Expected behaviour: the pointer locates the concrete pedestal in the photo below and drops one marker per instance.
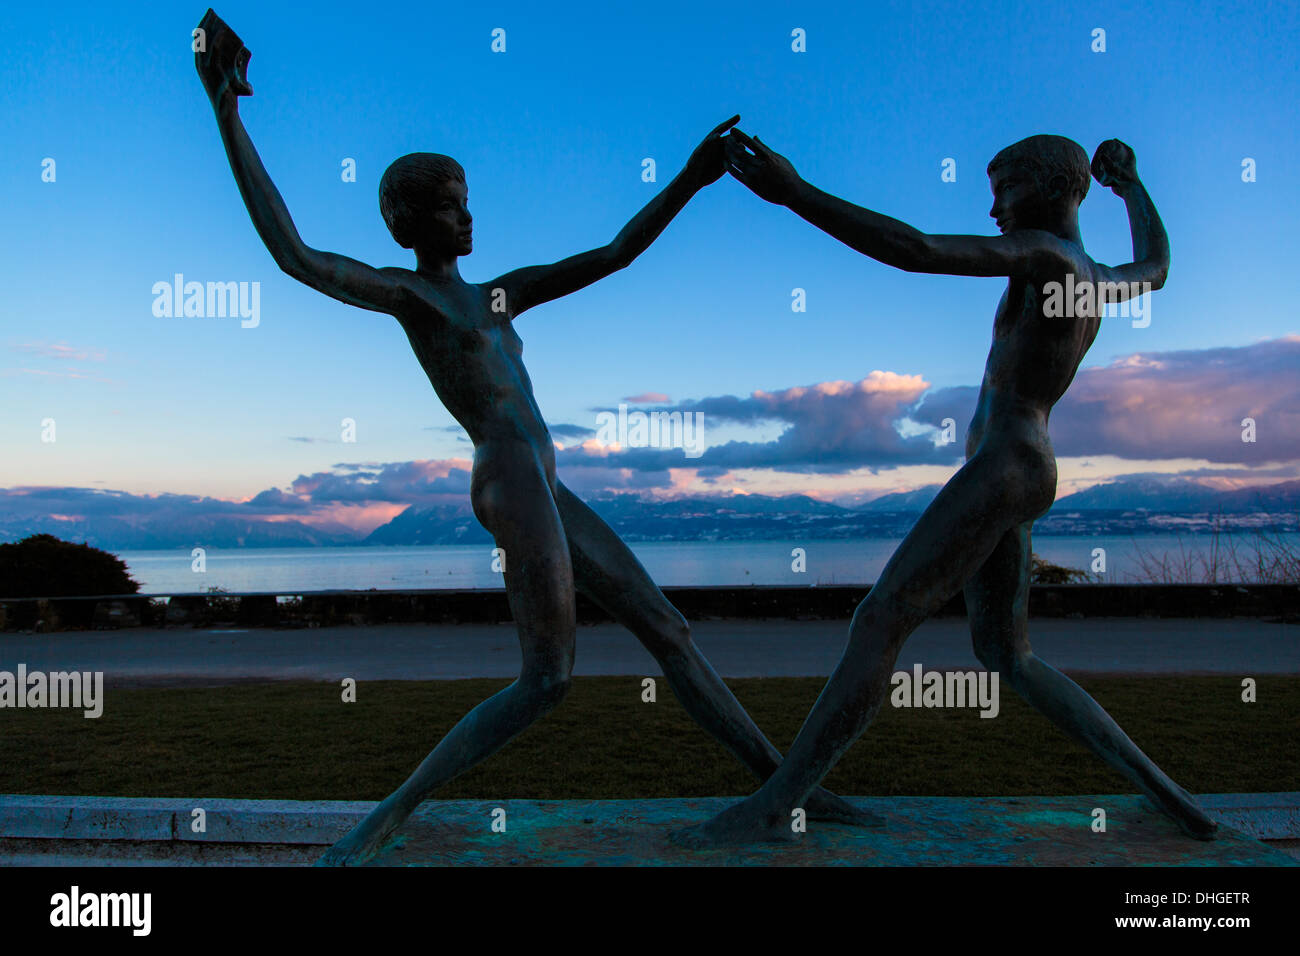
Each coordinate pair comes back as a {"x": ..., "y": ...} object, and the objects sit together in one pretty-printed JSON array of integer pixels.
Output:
[{"x": 921, "y": 831}]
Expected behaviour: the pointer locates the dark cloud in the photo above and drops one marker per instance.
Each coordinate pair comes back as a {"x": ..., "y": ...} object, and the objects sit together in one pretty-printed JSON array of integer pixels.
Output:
[
  {"x": 408, "y": 482},
  {"x": 830, "y": 427},
  {"x": 585, "y": 481},
  {"x": 570, "y": 431},
  {"x": 1187, "y": 404},
  {"x": 1146, "y": 406}
]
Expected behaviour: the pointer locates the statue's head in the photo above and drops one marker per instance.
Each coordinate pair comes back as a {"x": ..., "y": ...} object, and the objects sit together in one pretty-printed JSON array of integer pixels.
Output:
[
  {"x": 1038, "y": 183},
  {"x": 424, "y": 200}
]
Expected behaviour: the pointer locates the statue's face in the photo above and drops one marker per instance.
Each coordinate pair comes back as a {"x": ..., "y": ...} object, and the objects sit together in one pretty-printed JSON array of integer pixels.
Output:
[
  {"x": 1018, "y": 203},
  {"x": 449, "y": 227}
]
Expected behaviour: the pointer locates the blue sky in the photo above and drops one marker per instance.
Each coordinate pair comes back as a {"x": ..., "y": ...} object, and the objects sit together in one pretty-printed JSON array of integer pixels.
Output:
[{"x": 552, "y": 133}]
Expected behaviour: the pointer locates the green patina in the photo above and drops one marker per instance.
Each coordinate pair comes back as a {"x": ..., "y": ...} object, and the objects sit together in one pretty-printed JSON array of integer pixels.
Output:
[{"x": 920, "y": 831}]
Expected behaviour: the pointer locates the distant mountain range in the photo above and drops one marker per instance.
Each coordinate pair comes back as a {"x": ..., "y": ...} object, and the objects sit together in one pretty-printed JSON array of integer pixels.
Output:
[
  {"x": 178, "y": 531},
  {"x": 904, "y": 501},
  {"x": 1150, "y": 505},
  {"x": 1126, "y": 506},
  {"x": 1162, "y": 495},
  {"x": 441, "y": 525},
  {"x": 1182, "y": 495}
]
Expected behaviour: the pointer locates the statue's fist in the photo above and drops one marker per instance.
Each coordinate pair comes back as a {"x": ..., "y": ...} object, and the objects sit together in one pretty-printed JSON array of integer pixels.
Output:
[
  {"x": 221, "y": 59},
  {"x": 1114, "y": 164}
]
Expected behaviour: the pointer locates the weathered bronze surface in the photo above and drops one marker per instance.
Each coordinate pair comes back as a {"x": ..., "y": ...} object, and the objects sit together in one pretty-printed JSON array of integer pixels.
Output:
[
  {"x": 919, "y": 831},
  {"x": 464, "y": 337},
  {"x": 976, "y": 533}
]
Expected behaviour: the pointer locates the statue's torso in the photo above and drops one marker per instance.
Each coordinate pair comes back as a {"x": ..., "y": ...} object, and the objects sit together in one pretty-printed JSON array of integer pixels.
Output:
[
  {"x": 474, "y": 360},
  {"x": 1033, "y": 358}
]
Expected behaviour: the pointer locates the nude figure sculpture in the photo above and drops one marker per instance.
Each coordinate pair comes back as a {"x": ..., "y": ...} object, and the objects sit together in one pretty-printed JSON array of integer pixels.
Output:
[
  {"x": 976, "y": 533},
  {"x": 463, "y": 336}
]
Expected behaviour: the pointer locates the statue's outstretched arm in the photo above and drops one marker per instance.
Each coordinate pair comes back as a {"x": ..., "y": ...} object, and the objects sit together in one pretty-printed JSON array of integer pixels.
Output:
[
  {"x": 221, "y": 65},
  {"x": 534, "y": 285},
  {"x": 771, "y": 176}
]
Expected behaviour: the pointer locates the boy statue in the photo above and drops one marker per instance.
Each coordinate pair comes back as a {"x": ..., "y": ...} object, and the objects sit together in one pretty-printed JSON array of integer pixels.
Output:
[
  {"x": 976, "y": 533},
  {"x": 464, "y": 338}
]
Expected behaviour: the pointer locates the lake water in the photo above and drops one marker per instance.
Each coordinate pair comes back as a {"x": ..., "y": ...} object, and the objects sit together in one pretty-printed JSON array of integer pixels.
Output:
[{"x": 671, "y": 564}]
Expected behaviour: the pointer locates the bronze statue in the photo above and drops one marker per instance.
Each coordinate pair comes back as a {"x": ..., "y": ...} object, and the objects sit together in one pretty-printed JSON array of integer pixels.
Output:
[
  {"x": 976, "y": 533},
  {"x": 463, "y": 336}
]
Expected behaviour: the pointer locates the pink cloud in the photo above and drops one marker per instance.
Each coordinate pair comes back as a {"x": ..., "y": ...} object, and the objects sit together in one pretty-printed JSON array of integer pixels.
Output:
[{"x": 647, "y": 398}]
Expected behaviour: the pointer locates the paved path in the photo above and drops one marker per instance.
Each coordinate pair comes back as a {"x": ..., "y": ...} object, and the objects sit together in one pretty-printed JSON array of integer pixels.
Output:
[{"x": 737, "y": 648}]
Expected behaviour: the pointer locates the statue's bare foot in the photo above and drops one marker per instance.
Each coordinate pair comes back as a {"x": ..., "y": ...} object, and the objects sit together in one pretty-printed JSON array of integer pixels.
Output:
[
  {"x": 826, "y": 807},
  {"x": 741, "y": 824},
  {"x": 1200, "y": 826},
  {"x": 1186, "y": 812},
  {"x": 364, "y": 841}
]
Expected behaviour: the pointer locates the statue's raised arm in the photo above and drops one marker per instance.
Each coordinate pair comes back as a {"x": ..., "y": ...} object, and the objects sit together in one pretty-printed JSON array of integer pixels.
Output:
[
  {"x": 222, "y": 63},
  {"x": 533, "y": 285},
  {"x": 1114, "y": 165}
]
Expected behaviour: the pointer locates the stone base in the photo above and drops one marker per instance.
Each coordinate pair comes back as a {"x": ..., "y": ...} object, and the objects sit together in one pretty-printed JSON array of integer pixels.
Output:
[
  {"x": 921, "y": 831},
  {"x": 122, "y": 831}
]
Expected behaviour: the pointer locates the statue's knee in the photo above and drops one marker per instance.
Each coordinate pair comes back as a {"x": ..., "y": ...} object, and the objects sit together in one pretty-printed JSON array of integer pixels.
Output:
[
  {"x": 676, "y": 631},
  {"x": 546, "y": 690},
  {"x": 997, "y": 657},
  {"x": 892, "y": 613},
  {"x": 991, "y": 657},
  {"x": 664, "y": 632},
  {"x": 1015, "y": 667}
]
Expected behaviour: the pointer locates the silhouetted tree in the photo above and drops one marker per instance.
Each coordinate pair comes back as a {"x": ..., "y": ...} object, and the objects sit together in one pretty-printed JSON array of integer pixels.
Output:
[{"x": 45, "y": 566}]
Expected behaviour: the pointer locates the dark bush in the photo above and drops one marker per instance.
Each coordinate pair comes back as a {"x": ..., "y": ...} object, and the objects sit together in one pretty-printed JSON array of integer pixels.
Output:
[
  {"x": 1044, "y": 572},
  {"x": 45, "y": 566}
]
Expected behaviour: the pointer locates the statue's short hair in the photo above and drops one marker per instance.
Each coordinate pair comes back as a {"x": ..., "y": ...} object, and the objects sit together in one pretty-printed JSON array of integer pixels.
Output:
[
  {"x": 1044, "y": 157},
  {"x": 409, "y": 185}
]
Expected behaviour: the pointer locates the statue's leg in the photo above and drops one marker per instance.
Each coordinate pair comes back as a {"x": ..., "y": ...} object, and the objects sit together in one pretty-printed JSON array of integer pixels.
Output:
[
  {"x": 521, "y": 514},
  {"x": 997, "y": 602},
  {"x": 606, "y": 570},
  {"x": 951, "y": 539}
]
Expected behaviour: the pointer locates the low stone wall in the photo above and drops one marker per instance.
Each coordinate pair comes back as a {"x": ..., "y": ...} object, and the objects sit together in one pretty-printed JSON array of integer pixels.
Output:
[{"x": 334, "y": 608}]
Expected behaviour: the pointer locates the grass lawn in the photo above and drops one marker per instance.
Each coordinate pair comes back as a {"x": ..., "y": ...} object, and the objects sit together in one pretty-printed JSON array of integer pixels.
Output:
[{"x": 299, "y": 741}]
